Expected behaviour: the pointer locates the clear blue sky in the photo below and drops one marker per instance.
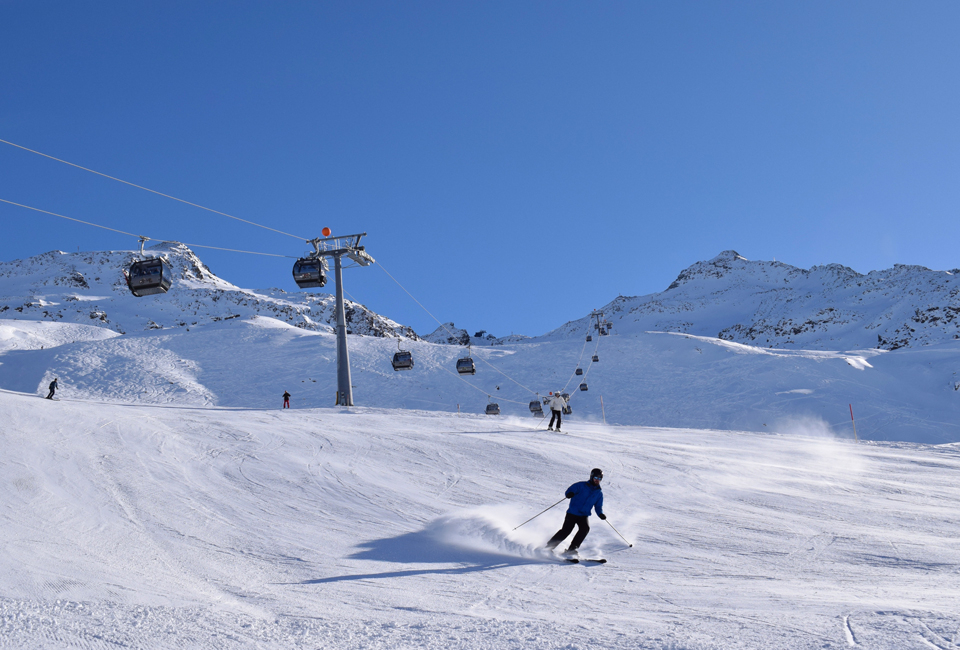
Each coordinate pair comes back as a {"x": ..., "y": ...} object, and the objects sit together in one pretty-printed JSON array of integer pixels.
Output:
[{"x": 514, "y": 163}]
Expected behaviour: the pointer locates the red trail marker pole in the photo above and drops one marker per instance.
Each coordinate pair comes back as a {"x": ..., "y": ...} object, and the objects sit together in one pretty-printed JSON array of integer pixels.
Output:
[{"x": 856, "y": 437}]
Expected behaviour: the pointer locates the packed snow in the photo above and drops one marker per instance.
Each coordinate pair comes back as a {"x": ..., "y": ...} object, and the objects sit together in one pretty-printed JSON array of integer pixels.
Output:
[
  {"x": 163, "y": 526},
  {"x": 165, "y": 499},
  {"x": 651, "y": 379}
]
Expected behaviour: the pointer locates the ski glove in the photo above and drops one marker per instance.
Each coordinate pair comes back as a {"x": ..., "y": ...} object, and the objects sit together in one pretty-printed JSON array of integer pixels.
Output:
[
  {"x": 569, "y": 495},
  {"x": 601, "y": 515}
]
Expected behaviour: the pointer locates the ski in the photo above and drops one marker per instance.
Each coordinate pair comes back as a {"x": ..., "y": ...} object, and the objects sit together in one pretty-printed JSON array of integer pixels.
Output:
[{"x": 574, "y": 560}]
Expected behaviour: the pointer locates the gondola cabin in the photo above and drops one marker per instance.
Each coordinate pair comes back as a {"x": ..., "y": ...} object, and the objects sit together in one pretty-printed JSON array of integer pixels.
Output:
[
  {"x": 465, "y": 366},
  {"x": 567, "y": 410},
  {"x": 583, "y": 386},
  {"x": 149, "y": 277},
  {"x": 579, "y": 371},
  {"x": 493, "y": 409},
  {"x": 589, "y": 338},
  {"x": 596, "y": 358},
  {"x": 403, "y": 360},
  {"x": 535, "y": 407},
  {"x": 308, "y": 273}
]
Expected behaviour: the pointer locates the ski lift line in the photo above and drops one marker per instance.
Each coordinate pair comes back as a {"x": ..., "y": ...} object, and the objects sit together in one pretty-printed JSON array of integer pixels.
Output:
[
  {"x": 123, "y": 232},
  {"x": 530, "y": 390},
  {"x": 95, "y": 225},
  {"x": 579, "y": 361},
  {"x": 586, "y": 372},
  {"x": 460, "y": 377},
  {"x": 120, "y": 180},
  {"x": 234, "y": 250},
  {"x": 584, "y": 376}
]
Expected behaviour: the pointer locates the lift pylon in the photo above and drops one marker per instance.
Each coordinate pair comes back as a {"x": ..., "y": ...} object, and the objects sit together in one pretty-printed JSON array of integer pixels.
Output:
[{"x": 338, "y": 247}]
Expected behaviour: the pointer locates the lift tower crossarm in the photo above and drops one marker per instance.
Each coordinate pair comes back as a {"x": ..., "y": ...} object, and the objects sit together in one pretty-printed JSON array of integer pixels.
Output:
[
  {"x": 596, "y": 313},
  {"x": 348, "y": 245}
]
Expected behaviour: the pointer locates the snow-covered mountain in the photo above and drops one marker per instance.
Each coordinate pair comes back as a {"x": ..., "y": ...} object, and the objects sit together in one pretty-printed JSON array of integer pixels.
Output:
[
  {"x": 89, "y": 288},
  {"x": 209, "y": 343},
  {"x": 772, "y": 304},
  {"x": 766, "y": 304},
  {"x": 450, "y": 334}
]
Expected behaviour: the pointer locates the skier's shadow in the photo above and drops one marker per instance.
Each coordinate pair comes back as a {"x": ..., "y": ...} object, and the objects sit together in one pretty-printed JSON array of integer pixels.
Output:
[{"x": 423, "y": 547}]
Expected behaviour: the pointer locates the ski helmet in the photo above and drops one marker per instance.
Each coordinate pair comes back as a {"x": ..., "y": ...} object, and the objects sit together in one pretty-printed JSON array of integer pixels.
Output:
[{"x": 596, "y": 472}]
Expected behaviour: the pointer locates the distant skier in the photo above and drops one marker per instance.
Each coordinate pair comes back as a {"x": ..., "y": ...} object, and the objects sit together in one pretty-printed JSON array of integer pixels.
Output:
[
  {"x": 286, "y": 400},
  {"x": 556, "y": 409},
  {"x": 584, "y": 496},
  {"x": 53, "y": 388}
]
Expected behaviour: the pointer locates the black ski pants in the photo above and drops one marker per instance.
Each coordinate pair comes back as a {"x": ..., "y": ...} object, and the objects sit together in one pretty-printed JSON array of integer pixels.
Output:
[
  {"x": 554, "y": 415},
  {"x": 52, "y": 391},
  {"x": 583, "y": 527}
]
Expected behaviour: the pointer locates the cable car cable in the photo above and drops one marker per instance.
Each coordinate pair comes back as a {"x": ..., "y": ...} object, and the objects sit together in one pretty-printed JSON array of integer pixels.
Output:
[
  {"x": 530, "y": 390},
  {"x": 141, "y": 187},
  {"x": 579, "y": 361},
  {"x": 123, "y": 232},
  {"x": 586, "y": 372}
]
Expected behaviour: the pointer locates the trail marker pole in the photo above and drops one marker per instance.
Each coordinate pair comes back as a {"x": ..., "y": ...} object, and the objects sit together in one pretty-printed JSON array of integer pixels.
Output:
[
  {"x": 855, "y": 436},
  {"x": 602, "y": 411}
]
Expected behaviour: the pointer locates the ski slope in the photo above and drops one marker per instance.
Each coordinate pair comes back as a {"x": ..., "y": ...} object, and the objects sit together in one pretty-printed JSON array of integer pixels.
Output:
[
  {"x": 159, "y": 526},
  {"x": 649, "y": 378}
]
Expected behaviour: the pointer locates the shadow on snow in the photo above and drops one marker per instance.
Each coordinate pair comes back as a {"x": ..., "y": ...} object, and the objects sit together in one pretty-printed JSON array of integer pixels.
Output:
[{"x": 423, "y": 547}]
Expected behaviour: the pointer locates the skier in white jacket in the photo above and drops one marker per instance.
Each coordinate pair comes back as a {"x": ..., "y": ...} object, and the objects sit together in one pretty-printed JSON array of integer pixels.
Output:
[{"x": 556, "y": 409}]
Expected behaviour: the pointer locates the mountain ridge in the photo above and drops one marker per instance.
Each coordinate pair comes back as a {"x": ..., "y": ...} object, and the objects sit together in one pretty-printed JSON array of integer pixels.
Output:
[
  {"x": 762, "y": 303},
  {"x": 89, "y": 288},
  {"x": 776, "y": 305}
]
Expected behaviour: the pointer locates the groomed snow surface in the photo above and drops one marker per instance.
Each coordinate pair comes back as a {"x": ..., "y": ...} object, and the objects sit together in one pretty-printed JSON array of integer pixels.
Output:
[
  {"x": 167, "y": 502},
  {"x": 149, "y": 526}
]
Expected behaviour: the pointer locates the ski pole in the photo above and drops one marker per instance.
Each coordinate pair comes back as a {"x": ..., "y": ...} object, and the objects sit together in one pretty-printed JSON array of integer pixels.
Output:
[
  {"x": 617, "y": 532},
  {"x": 540, "y": 513}
]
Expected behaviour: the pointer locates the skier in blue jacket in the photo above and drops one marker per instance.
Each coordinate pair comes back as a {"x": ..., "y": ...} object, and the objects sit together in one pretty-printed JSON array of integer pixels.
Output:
[{"x": 584, "y": 497}]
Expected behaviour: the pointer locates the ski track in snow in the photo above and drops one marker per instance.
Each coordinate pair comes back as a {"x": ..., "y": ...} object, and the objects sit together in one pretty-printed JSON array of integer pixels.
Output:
[{"x": 161, "y": 526}]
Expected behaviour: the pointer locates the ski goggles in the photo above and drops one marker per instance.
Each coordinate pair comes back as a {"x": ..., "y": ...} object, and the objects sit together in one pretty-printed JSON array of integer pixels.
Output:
[{"x": 596, "y": 478}]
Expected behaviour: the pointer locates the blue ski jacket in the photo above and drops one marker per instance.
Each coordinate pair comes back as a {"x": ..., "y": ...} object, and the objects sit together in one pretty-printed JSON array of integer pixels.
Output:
[{"x": 584, "y": 497}]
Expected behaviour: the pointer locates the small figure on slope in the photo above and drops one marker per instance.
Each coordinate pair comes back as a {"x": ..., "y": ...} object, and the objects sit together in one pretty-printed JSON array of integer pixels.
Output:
[
  {"x": 556, "y": 409},
  {"x": 53, "y": 388},
  {"x": 286, "y": 400},
  {"x": 584, "y": 496}
]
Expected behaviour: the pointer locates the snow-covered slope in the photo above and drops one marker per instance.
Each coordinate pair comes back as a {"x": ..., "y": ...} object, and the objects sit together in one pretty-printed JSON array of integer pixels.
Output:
[
  {"x": 771, "y": 304},
  {"x": 166, "y": 501},
  {"x": 217, "y": 347},
  {"x": 89, "y": 288},
  {"x": 648, "y": 379},
  {"x": 38, "y": 335},
  {"x": 167, "y": 527}
]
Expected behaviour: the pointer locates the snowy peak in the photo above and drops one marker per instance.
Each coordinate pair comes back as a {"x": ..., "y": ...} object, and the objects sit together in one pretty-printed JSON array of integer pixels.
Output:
[
  {"x": 730, "y": 263},
  {"x": 90, "y": 288},
  {"x": 772, "y": 304}
]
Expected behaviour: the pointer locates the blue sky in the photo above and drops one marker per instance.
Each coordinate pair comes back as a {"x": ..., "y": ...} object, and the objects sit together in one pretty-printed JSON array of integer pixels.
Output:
[{"x": 514, "y": 163}]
